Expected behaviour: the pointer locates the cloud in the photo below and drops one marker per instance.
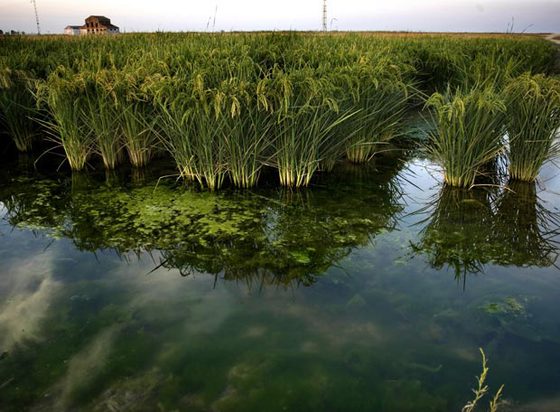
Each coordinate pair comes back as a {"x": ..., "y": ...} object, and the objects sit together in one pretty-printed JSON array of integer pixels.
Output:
[{"x": 30, "y": 289}]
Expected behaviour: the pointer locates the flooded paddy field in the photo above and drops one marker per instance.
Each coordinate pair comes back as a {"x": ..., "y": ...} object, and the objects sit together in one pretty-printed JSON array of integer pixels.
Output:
[{"x": 371, "y": 290}]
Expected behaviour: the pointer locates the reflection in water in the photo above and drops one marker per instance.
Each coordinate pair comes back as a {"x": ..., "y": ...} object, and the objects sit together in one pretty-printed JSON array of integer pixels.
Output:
[
  {"x": 273, "y": 236},
  {"x": 372, "y": 334},
  {"x": 32, "y": 288},
  {"x": 525, "y": 229},
  {"x": 467, "y": 229}
]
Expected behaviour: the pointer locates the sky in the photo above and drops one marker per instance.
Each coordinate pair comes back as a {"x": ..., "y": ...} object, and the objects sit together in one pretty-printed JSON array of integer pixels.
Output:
[{"x": 199, "y": 15}]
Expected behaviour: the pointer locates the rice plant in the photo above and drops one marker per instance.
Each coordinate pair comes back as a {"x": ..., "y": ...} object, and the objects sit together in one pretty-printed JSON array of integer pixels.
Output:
[
  {"x": 101, "y": 117},
  {"x": 63, "y": 99},
  {"x": 192, "y": 131},
  {"x": 307, "y": 117},
  {"x": 226, "y": 106},
  {"x": 140, "y": 140},
  {"x": 18, "y": 108},
  {"x": 533, "y": 123},
  {"x": 468, "y": 134},
  {"x": 381, "y": 100},
  {"x": 137, "y": 115}
]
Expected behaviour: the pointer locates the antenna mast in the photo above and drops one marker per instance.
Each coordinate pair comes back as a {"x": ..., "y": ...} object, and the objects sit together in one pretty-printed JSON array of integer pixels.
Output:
[
  {"x": 324, "y": 15},
  {"x": 36, "y": 16}
]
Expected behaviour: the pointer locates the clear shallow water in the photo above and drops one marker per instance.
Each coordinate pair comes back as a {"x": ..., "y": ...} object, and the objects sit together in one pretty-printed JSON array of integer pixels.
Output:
[{"x": 371, "y": 291}]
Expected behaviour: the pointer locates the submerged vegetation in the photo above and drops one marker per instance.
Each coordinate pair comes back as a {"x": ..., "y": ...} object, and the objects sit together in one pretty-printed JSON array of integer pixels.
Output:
[{"x": 226, "y": 106}]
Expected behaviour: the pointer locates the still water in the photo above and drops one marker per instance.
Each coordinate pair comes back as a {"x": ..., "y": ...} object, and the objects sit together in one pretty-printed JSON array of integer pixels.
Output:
[{"x": 371, "y": 291}]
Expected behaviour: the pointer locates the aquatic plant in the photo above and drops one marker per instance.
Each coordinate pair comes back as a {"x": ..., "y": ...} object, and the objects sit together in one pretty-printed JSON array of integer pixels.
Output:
[
  {"x": 137, "y": 126},
  {"x": 137, "y": 115},
  {"x": 240, "y": 102},
  {"x": 468, "y": 134},
  {"x": 482, "y": 389},
  {"x": 533, "y": 123}
]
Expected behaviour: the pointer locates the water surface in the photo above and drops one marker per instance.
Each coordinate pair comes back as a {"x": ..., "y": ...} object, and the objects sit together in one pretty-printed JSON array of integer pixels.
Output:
[{"x": 372, "y": 290}]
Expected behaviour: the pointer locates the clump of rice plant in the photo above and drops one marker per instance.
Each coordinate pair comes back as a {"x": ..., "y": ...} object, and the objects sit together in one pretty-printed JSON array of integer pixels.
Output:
[
  {"x": 191, "y": 128},
  {"x": 469, "y": 130},
  {"x": 247, "y": 133},
  {"x": 63, "y": 99},
  {"x": 102, "y": 118},
  {"x": 18, "y": 108},
  {"x": 380, "y": 101},
  {"x": 307, "y": 117},
  {"x": 137, "y": 124},
  {"x": 533, "y": 122},
  {"x": 137, "y": 118}
]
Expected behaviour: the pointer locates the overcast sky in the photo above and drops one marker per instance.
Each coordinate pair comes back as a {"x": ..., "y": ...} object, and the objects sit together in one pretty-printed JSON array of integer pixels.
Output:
[{"x": 186, "y": 15}]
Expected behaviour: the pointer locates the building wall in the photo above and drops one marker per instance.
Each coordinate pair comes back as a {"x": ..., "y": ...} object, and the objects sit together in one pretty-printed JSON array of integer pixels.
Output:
[{"x": 72, "y": 32}]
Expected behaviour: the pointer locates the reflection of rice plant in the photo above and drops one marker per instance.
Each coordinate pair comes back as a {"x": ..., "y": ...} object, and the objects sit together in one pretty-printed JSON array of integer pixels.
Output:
[
  {"x": 458, "y": 228},
  {"x": 482, "y": 389},
  {"x": 524, "y": 231},
  {"x": 469, "y": 133},
  {"x": 533, "y": 121},
  {"x": 467, "y": 229}
]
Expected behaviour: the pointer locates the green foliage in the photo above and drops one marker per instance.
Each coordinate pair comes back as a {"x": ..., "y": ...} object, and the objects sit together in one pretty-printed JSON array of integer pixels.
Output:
[
  {"x": 63, "y": 100},
  {"x": 17, "y": 108},
  {"x": 101, "y": 116},
  {"x": 226, "y": 106},
  {"x": 482, "y": 389},
  {"x": 469, "y": 133}
]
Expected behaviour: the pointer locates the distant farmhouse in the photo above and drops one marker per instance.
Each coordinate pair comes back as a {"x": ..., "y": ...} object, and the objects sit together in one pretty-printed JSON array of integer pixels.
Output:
[{"x": 94, "y": 25}]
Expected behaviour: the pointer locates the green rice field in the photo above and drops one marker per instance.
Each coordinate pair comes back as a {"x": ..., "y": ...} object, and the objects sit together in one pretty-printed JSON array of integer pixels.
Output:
[{"x": 279, "y": 221}]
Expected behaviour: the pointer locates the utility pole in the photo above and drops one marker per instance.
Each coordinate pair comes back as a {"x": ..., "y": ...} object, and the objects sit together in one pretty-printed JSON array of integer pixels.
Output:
[
  {"x": 324, "y": 15},
  {"x": 36, "y": 16},
  {"x": 214, "y": 22}
]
